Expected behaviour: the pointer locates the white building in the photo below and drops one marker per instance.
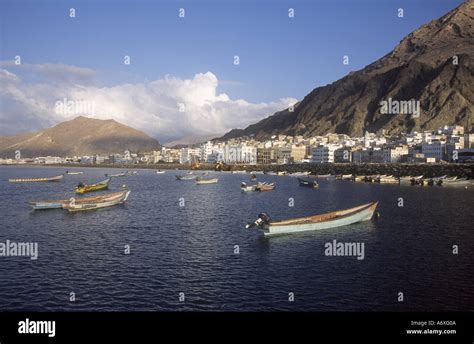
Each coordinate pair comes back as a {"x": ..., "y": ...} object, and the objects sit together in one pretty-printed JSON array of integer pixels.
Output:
[
  {"x": 435, "y": 149},
  {"x": 324, "y": 154}
]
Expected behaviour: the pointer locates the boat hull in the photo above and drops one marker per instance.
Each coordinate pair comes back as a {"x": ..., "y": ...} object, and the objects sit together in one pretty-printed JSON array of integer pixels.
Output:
[
  {"x": 84, "y": 206},
  {"x": 359, "y": 214}
]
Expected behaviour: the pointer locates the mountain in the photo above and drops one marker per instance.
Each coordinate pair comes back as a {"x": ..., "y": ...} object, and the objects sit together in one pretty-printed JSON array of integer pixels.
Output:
[
  {"x": 421, "y": 68},
  {"x": 190, "y": 140},
  {"x": 80, "y": 136}
]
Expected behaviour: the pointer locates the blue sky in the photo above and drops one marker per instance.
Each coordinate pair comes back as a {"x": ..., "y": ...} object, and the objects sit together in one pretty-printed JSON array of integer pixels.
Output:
[{"x": 280, "y": 57}]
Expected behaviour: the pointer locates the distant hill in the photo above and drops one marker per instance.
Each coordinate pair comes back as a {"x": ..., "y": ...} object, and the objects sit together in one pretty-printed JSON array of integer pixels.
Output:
[
  {"x": 420, "y": 68},
  {"x": 80, "y": 136}
]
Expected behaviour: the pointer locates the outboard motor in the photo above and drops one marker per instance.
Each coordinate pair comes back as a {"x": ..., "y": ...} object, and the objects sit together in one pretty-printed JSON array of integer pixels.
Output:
[{"x": 262, "y": 218}]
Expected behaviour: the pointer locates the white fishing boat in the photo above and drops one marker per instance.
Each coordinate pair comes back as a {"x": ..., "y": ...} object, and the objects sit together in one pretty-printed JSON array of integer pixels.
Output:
[
  {"x": 239, "y": 172},
  {"x": 322, "y": 176},
  {"x": 207, "y": 181},
  {"x": 36, "y": 180},
  {"x": 317, "y": 222},
  {"x": 107, "y": 201},
  {"x": 74, "y": 172},
  {"x": 121, "y": 174},
  {"x": 458, "y": 182},
  {"x": 248, "y": 188},
  {"x": 159, "y": 172},
  {"x": 59, "y": 204},
  {"x": 299, "y": 174}
]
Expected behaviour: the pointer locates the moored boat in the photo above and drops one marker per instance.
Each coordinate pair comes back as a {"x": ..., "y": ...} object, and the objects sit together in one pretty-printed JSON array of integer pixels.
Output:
[
  {"x": 323, "y": 176},
  {"x": 186, "y": 177},
  {"x": 316, "y": 222},
  {"x": 200, "y": 181},
  {"x": 121, "y": 174},
  {"x": 308, "y": 182},
  {"x": 248, "y": 188},
  {"x": 59, "y": 204},
  {"x": 107, "y": 201},
  {"x": 265, "y": 186},
  {"x": 36, "y": 180},
  {"x": 83, "y": 188},
  {"x": 74, "y": 172},
  {"x": 160, "y": 172}
]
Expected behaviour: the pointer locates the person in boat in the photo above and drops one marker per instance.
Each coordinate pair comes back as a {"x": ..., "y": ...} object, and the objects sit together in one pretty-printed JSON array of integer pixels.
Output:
[{"x": 80, "y": 185}]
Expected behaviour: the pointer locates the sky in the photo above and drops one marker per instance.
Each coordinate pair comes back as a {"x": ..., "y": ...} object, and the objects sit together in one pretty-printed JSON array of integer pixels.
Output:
[{"x": 182, "y": 79}]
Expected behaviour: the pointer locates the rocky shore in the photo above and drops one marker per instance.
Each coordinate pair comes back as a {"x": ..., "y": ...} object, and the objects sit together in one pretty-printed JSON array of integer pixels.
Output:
[{"x": 397, "y": 170}]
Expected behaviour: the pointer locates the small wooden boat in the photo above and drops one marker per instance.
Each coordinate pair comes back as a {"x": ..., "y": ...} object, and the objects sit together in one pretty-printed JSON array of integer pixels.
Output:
[
  {"x": 207, "y": 181},
  {"x": 344, "y": 177},
  {"x": 265, "y": 186},
  {"x": 323, "y": 176},
  {"x": 107, "y": 201},
  {"x": 81, "y": 188},
  {"x": 59, "y": 204},
  {"x": 248, "y": 188},
  {"x": 121, "y": 174},
  {"x": 330, "y": 220},
  {"x": 186, "y": 177},
  {"x": 299, "y": 174},
  {"x": 307, "y": 182},
  {"x": 159, "y": 172},
  {"x": 458, "y": 182},
  {"x": 37, "y": 180},
  {"x": 74, "y": 173},
  {"x": 387, "y": 180}
]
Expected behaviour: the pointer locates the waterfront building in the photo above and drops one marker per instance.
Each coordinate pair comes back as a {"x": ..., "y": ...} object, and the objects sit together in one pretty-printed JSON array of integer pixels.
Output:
[
  {"x": 435, "y": 149},
  {"x": 324, "y": 154}
]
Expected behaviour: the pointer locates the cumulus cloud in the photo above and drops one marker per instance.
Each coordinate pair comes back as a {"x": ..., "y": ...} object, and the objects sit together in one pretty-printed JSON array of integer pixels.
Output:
[{"x": 167, "y": 108}]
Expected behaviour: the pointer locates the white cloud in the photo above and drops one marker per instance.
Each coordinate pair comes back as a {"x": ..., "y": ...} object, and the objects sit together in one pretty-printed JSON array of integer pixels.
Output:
[{"x": 153, "y": 107}]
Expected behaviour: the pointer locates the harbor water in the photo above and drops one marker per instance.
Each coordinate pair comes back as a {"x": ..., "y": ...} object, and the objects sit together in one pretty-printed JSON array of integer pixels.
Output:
[{"x": 178, "y": 246}]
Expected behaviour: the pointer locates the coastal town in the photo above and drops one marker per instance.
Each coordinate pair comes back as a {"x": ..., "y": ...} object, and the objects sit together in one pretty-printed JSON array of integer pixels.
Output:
[{"x": 450, "y": 144}]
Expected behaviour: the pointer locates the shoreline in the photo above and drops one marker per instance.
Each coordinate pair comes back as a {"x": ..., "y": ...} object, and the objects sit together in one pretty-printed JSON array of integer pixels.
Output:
[{"x": 397, "y": 170}]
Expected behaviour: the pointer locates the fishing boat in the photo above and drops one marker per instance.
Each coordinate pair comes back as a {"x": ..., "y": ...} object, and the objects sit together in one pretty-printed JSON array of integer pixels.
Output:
[
  {"x": 323, "y": 175},
  {"x": 317, "y": 222},
  {"x": 358, "y": 178},
  {"x": 307, "y": 182},
  {"x": 248, "y": 188},
  {"x": 239, "y": 172},
  {"x": 436, "y": 180},
  {"x": 458, "y": 182},
  {"x": 121, "y": 174},
  {"x": 344, "y": 176},
  {"x": 265, "y": 186},
  {"x": 186, "y": 177},
  {"x": 37, "y": 180},
  {"x": 107, "y": 201},
  {"x": 270, "y": 173},
  {"x": 159, "y": 172},
  {"x": 282, "y": 173},
  {"x": 256, "y": 172},
  {"x": 207, "y": 181},
  {"x": 299, "y": 174},
  {"x": 387, "y": 180},
  {"x": 74, "y": 173},
  {"x": 83, "y": 188},
  {"x": 59, "y": 204}
]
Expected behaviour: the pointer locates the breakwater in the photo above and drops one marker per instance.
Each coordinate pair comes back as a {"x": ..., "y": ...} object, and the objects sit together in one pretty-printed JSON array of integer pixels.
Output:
[{"x": 397, "y": 170}]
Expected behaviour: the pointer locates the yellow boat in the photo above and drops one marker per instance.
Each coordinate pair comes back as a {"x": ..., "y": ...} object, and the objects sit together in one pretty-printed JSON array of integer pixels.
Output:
[{"x": 81, "y": 188}]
